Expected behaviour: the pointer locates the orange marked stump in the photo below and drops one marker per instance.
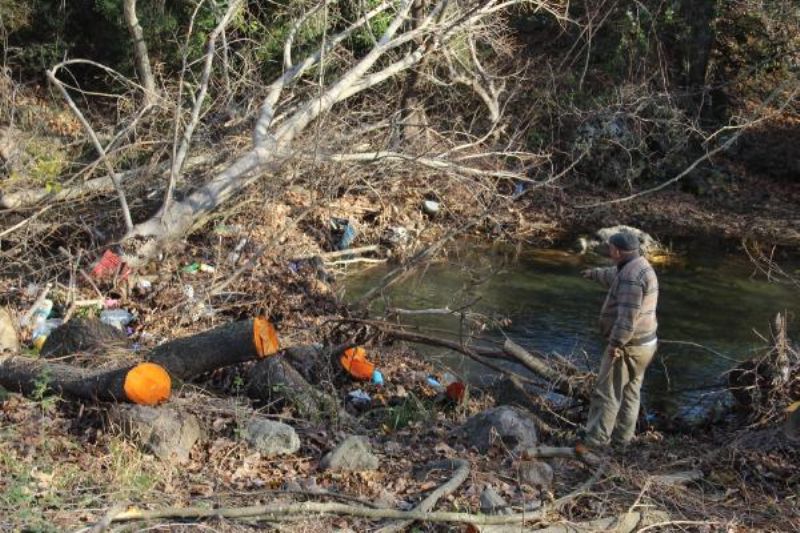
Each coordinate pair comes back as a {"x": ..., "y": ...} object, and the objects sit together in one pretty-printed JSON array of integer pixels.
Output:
[
  {"x": 265, "y": 338},
  {"x": 354, "y": 360},
  {"x": 147, "y": 384}
]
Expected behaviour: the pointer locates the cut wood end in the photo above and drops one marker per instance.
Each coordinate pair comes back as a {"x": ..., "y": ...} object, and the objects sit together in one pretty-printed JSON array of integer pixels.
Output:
[
  {"x": 265, "y": 338},
  {"x": 147, "y": 384}
]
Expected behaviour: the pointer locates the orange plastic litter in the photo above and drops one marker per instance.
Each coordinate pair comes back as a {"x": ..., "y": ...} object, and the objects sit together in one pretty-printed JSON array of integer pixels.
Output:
[{"x": 354, "y": 360}]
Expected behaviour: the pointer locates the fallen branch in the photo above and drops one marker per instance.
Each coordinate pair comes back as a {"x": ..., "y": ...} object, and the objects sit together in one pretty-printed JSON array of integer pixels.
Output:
[
  {"x": 271, "y": 512},
  {"x": 543, "y": 368},
  {"x": 104, "y": 184},
  {"x": 565, "y": 452},
  {"x": 276, "y": 511},
  {"x": 462, "y": 471}
]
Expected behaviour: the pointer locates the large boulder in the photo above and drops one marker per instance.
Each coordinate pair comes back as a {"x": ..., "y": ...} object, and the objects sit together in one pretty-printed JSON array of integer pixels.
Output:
[
  {"x": 166, "y": 433},
  {"x": 492, "y": 502},
  {"x": 537, "y": 474},
  {"x": 513, "y": 428},
  {"x": 598, "y": 242},
  {"x": 354, "y": 453},
  {"x": 9, "y": 342},
  {"x": 271, "y": 438}
]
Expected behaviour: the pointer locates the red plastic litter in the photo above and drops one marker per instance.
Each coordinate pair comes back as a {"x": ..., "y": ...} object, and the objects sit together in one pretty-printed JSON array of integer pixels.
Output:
[
  {"x": 455, "y": 391},
  {"x": 109, "y": 264}
]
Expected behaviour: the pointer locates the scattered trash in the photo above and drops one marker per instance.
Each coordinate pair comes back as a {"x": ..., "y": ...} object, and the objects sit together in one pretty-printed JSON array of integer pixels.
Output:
[
  {"x": 111, "y": 303},
  {"x": 119, "y": 318},
  {"x": 431, "y": 207},
  {"x": 110, "y": 264},
  {"x": 197, "y": 267},
  {"x": 348, "y": 232},
  {"x": 225, "y": 230},
  {"x": 455, "y": 391},
  {"x": 433, "y": 382},
  {"x": 519, "y": 188},
  {"x": 354, "y": 360},
  {"x": 397, "y": 235},
  {"x": 359, "y": 398},
  {"x": 42, "y": 326},
  {"x": 377, "y": 377},
  {"x": 144, "y": 285},
  {"x": 188, "y": 291},
  {"x": 233, "y": 257}
]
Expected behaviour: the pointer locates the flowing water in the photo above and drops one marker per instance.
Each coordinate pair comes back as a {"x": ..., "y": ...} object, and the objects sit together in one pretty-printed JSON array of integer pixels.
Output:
[{"x": 708, "y": 299}]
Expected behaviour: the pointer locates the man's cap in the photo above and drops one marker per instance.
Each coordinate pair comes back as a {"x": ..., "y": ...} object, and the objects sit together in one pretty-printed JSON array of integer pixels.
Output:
[{"x": 625, "y": 240}]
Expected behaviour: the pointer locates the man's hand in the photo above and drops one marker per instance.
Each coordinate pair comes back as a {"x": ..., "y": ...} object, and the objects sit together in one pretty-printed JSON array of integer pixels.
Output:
[
  {"x": 616, "y": 352},
  {"x": 587, "y": 273}
]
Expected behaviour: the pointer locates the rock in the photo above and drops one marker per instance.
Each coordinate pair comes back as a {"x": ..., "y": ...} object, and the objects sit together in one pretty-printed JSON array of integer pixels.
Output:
[
  {"x": 792, "y": 427},
  {"x": 84, "y": 335},
  {"x": 537, "y": 474},
  {"x": 9, "y": 342},
  {"x": 271, "y": 438},
  {"x": 353, "y": 453},
  {"x": 510, "y": 425},
  {"x": 492, "y": 502},
  {"x": 9, "y": 143},
  {"x": 598, "y": 243},
  {"x": 166, "y": 433},
  {"x": 292, "y": 486}
]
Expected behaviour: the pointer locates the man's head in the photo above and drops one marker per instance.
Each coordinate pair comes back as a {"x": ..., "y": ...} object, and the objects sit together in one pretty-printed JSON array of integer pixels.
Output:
[{"x": 623, "y": 245}]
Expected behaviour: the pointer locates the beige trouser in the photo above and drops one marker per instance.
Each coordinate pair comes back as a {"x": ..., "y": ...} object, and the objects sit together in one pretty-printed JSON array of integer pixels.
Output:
[{"x": 615, "y": 400}]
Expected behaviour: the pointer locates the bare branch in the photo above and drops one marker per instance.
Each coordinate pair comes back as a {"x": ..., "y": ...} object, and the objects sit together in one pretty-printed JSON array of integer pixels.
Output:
[
  {"x": 126, "y": 213},
  {"x": 200, "y": 95}
]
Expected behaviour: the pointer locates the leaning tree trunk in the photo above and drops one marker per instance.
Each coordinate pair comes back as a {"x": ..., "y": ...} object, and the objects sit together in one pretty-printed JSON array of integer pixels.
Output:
[{"x": 401, "y": 47}]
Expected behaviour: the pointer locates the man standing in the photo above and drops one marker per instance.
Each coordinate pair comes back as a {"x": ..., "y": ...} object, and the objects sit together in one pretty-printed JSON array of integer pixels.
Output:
[{"x": 628, "y": 323}]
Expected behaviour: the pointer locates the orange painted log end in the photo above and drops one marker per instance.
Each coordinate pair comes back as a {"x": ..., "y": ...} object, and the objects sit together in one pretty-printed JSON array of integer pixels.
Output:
[
  {"x": 265, "y": 338},
  {"x": 147, "y": 384}
]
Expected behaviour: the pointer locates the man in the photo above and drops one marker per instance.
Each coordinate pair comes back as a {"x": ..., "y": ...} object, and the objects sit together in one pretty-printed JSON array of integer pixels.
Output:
[{"x": 628, "y": 323}]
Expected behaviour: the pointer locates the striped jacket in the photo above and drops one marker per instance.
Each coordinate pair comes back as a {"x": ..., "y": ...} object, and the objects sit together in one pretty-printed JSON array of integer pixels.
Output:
[{"x": 628, "y": 315}]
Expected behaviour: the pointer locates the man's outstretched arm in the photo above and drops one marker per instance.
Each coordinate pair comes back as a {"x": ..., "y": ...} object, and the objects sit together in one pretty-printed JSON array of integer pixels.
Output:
[{"x": 604, "y": 276}]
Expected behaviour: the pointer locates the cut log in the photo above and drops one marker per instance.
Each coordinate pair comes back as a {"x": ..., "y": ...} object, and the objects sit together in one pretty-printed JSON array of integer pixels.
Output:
[
  {"x": 144, "y": 383},
  {"x": 226, "y": 345}
]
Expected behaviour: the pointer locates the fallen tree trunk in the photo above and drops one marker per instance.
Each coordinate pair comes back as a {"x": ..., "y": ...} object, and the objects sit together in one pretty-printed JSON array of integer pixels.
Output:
[
  {"x": 230, "y": 344},
  {"x": 150, "y": 382},
  {"x": 144, "y": 383}
]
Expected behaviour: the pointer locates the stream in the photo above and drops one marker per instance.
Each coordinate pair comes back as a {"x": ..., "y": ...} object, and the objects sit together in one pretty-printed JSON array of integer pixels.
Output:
[{"x": 713, "y": 311}]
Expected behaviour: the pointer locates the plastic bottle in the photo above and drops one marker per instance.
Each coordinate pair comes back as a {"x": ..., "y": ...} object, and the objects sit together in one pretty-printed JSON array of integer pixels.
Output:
[{"x": 119, "y": 318}]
